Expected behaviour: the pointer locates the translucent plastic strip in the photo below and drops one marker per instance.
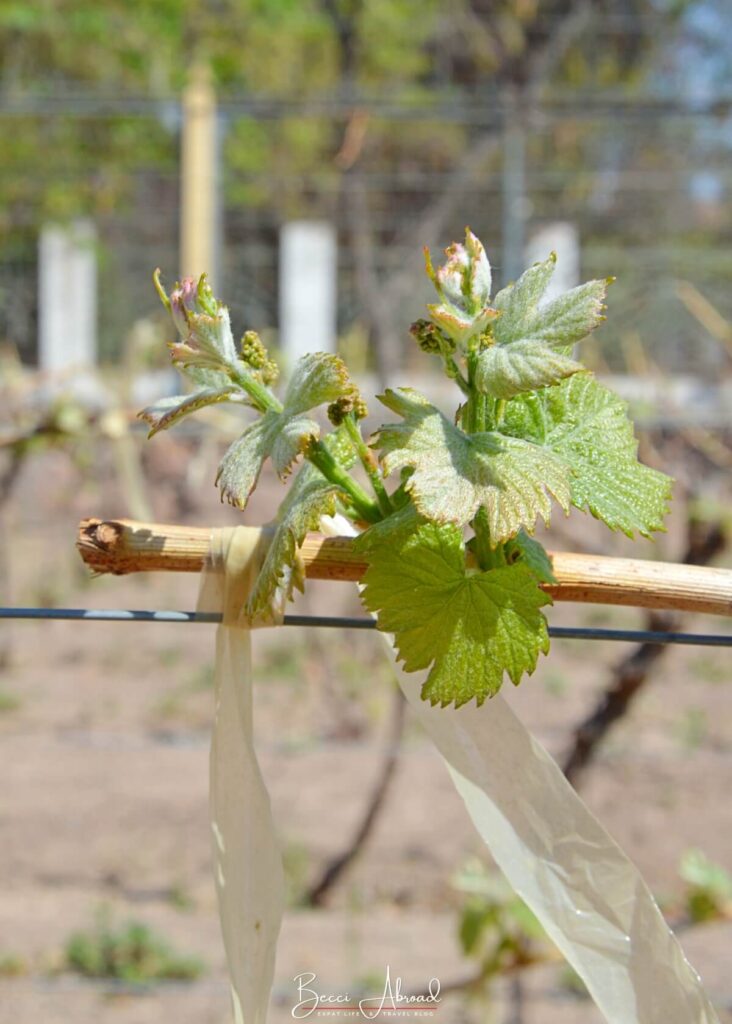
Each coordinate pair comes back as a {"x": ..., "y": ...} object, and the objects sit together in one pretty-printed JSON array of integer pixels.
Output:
[
  {"x": 589, "y": 897},
  {"x": 247, "y": 857}
]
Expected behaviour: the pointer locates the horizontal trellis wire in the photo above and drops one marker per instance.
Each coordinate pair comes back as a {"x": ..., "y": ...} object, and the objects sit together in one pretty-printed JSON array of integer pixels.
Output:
[{"x": 334, "y": 622}]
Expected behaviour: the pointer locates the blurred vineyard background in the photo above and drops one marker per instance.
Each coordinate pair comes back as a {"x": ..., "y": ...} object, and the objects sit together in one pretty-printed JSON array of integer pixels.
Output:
[
  {"x": 271, "y": 143},
  {"x": 396, "y": 123}
]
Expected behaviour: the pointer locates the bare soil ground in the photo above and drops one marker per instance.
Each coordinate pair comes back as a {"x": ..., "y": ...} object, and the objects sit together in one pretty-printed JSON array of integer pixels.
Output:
[{"x": 104, "y": 741}]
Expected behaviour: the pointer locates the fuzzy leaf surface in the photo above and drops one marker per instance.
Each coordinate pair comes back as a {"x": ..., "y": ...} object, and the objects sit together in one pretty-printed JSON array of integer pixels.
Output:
[
  {"x": 168, "y": 411},
  {"x": 309, "y": 497},
  {"x": 206, "y": 378},
  {"x": 586, "y": 425},
  {"x": 455, "y": 473},
  {"x": 533, "y": 554},
  {"x": 316, "y": 378},
  {"x": 209, "y": 342},
  {"x": 504, "y": 371},
  {"x": 470, "y": 628},
  {"x": 561, "y": 322},
  {"x": 464, "y": 286},
  {"x": 281, "y": 436}
]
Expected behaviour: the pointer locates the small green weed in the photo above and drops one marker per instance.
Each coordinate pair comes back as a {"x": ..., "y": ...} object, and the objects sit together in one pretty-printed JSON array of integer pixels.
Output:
[
  {"x": 692, "y": 730},
  {"x": 12, "y": 965},
  {"x": 710, "y": 669},
  {"x": 180, "y": 898},
  {"x": 708, "y": 893},
  {"x": 131, "y": 952},
  {"x": 8, "y": 701},
  {"x": 496, "y": 928}
]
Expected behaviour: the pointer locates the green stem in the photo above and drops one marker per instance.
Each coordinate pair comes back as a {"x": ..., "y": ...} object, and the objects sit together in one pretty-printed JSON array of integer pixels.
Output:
[
  {"x": 369, "y": 463},
  {"x": 452, "y": 370},
  {"x": 332, "y": 470},
  {"x": 500, "y": 411},
  {"x": 316, "y": 453},
  {"x": 475, "y": 412},
  {"x": 481, "y": 409},
  {"x": 483, "y": 551},
  {"x": 260, "y": 394},
  {"x": 476, "y": 420}
]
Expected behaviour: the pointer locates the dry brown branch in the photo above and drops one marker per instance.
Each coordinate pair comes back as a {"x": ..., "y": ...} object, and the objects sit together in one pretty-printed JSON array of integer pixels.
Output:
[
  {"x": 122, "y": 546},
  {"x": 318, "y": 893}
]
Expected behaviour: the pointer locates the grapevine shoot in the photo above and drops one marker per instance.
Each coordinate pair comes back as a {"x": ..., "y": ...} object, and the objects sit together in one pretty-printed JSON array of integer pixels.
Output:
[{"x": 447, "y": 505}]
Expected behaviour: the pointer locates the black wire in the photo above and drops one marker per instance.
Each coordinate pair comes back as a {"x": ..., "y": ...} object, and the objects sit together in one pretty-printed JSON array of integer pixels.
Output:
[{"x": 339, "y": 622}]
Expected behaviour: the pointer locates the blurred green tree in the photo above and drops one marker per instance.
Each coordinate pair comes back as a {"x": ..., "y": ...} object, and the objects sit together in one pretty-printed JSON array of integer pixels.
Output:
[{"x": 379, "y": 115}]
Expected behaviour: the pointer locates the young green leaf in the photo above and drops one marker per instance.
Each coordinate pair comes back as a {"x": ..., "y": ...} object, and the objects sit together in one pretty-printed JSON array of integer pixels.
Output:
[
  {"x": 562, "y": 322},
  {"x": 310, "y": 496},
  {"x": 470, "y": 627},
  {"x": 586, "y": 425},
  {"x": 282, "y": 436},
  {"x": 504, "y": 371},
  {"x": 206, "y": 351},
  {"x": 272, "y": 435},
  {"x": 458, "y": 325},
  {"x": 465, "y": 278},
  {"x": 203, "y": 324},
  {"x": 533, "y": 554},
  {"x": 168, "y": 411},
  {"x": 455, "y": 473},
  {"x": 518, "y": 301},
  {"x": 392, "y": 530},
  {"x": 206, "y": 378},
  {"x": 464, "y": 286},
  {"x": 317, "y": 378}
]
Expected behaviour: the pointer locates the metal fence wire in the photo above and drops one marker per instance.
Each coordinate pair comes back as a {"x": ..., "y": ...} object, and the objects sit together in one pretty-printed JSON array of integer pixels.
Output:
[{"x": 338, "y": 622}]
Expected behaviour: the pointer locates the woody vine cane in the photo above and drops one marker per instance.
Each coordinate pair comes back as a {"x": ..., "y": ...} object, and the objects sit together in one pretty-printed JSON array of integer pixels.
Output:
[{"x": 443, "y": 510}]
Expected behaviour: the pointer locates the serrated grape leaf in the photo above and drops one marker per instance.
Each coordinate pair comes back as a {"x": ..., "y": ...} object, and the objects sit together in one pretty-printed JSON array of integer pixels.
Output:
[
  {"x": 273, "y": 434},
  {"x": 288, "y": 439},
  {"x": 504, "y": 371},
  {"x": 168, "y": 411},
  {"x": 532, "y": 554},
  {"x": 309, "y": 497},
  {"x": 206, "y": 378},
  {"x": 586, "y": 425},
  {"x": 281, "y": 436},
  {"x": 561, "y": 322},
  {"x": 469, "y": 627},
  {"x": 518, "y": 301},
  {"x": 455, "y": 473},
  {"x": 392, "y": 530},
  {"x": 317, "y": 378}
]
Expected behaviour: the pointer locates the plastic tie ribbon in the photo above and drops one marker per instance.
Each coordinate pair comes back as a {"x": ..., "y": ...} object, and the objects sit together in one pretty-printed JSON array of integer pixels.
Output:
[{"x": 587, "y": 894}]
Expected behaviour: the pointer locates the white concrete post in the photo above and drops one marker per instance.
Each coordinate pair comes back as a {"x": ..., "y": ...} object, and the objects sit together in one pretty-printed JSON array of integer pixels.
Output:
[
  {"x": 307, "y": 286},
  {"x": 67, "y": 285}
]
